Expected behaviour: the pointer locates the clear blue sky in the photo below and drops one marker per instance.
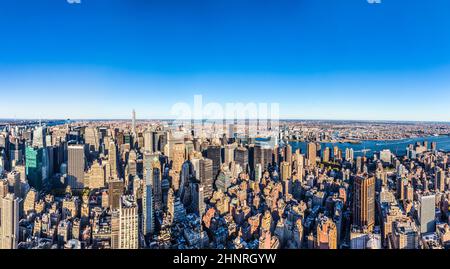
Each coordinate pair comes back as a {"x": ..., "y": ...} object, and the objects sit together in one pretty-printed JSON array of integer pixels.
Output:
[{"x": 319, "y": 59}]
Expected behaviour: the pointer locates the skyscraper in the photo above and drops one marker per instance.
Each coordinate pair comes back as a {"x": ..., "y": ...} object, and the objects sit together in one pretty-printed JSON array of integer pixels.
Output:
[
  {"x": 206, "y": 176},
  {"x": 128, "y": 224},
  {"x": 157, "y": 183},
  {"x": 115, "y": 190},
  {"x": 75, "y": 166},
  {"x": 178, "y": 156},
  {"x": 39, "y": 137},
  {"x": 288, "y": 153},
  {"x": 241, "y": 157},
  {"x": 229, "y": 153},
  {"x": 439, "y": 181},
  {"x": 214, "y": 154},
  {"x": 147, "y": 207},
  {"x": 112, "y": 158},
  {"x": 9, "y": 221},
  {"x": 33, "y": 166},
  {"x": 349, "y": 155},
  {"x": 427, "y": 213},
  {"x": 133, "y": 123},
  {"x": 91, "y": 138},
  {"x": 311, "y": 153},
  {"x": 326, "y": 155},
  {"x": 148, "y": 141},
  {"x": 364, "y": 201}
]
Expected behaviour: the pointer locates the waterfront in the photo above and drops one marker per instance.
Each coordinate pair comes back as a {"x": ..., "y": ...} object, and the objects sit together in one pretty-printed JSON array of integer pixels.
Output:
[{"x": 398, "y": 147}]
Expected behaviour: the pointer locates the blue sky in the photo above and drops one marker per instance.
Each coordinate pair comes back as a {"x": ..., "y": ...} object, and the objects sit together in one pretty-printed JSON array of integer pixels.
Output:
[{"x": 319, "y": 59}]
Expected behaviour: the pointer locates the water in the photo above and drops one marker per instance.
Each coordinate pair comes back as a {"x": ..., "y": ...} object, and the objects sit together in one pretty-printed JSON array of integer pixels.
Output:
[{"x": 398, "y": 147}]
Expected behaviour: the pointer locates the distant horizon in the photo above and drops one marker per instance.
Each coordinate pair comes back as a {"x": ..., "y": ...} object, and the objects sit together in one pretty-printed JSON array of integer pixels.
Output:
[{"x": 227, "y": 119}]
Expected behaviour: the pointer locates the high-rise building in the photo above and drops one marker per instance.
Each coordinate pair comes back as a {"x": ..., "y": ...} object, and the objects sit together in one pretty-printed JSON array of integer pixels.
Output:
[
  {"x": 115, "y": 227},
  {"x": 157, "y": 183},
  {"x": 214, "y": 153},
  {"x": 76, "y": 164},
  {"x": 115, "y": 191},
  {"x": 95, "y": 176},
  {"x": 433, "y": 146},
  {"x": 33, "y": 166},
  {"x": 128, "y": 224},
  {"x": 364, "y": 201},
  {"x": 92, "y": 139},
  {"x": 349, "y": 154},
  {"x": 285, "y": 171},
  {"x": 147, "y": 207},
  {"x": 223, "y": 181},
  {"x": 311, "y": 152},
  {"x": 439, "y": 181},
  {"x": 229, "y": 153},
  {"x": 405, "y": 234},
  {"x": 427, "y": 213},
  {"x": 206, "y": 176},
  {"x": 326, "y": 155},
  {"x": 326, "y": 234},
  {"x": 198, "y": 199},
  {"x": 39, "y": 137},
  {"x": 133, "y": 123},
  {"x": 178, "y": 156},
  {"x": 288, "y": 154},
  {"x": 9, "y": 221},
  {"x": 386, "y": 156},
  {"x": 241, "y": 157},
  {"x": 112, "y": 158},
  {"x": 4, "y": 186},
  {"x": 148, "y": 141}
]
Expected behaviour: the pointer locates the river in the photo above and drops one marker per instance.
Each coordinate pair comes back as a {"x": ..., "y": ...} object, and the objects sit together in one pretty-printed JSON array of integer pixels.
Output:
[{"x": 398, "y": 147}]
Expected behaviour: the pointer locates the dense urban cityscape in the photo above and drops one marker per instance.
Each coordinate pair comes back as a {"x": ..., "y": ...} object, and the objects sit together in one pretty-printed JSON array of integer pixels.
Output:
[
  {"x": 224, "y": 133},
  {"x": 128, "y": 184}
]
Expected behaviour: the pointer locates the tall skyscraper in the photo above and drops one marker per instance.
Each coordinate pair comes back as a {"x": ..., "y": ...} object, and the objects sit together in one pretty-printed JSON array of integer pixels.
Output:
[
  {"x": 115, "y": 190},
  {"x": 214, "y": 153},
  {"x": 112, "y": 158},
  {"x": 39, "y": 137},
  {"x": 33, "y": 166},
  {"x": 349, "y": 154},
  {"x": 91, "y": 138},
  {"x": 285, "y": 171},
  {"x": 129, "y": 224},
  {"x": 241, "y": 157},
  {"x": 288, "y": 153},
  {"x": 148, "y": 141},
  {"x": 364, "y": 201},
  {"x": 75, "y": 166},
  {"x": 229, "y": 153},
  {"x": 9, "y": 221},
  {"x": 439, "y": 181},
  {"x": 206, "y": 176},
  {"x": 157, "y": 183},
  {"x": 147, "y": 207},
  {"x": 178, "y": 156},
  {"x": 311, "y": 153},
  {"x": 133, "y": 123},
  {"x": 427, "y": 213},
  {"x": 326, "y": 155}
]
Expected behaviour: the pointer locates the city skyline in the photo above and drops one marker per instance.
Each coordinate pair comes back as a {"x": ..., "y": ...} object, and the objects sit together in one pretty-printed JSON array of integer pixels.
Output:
[{"x": 347, "y": 60}]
